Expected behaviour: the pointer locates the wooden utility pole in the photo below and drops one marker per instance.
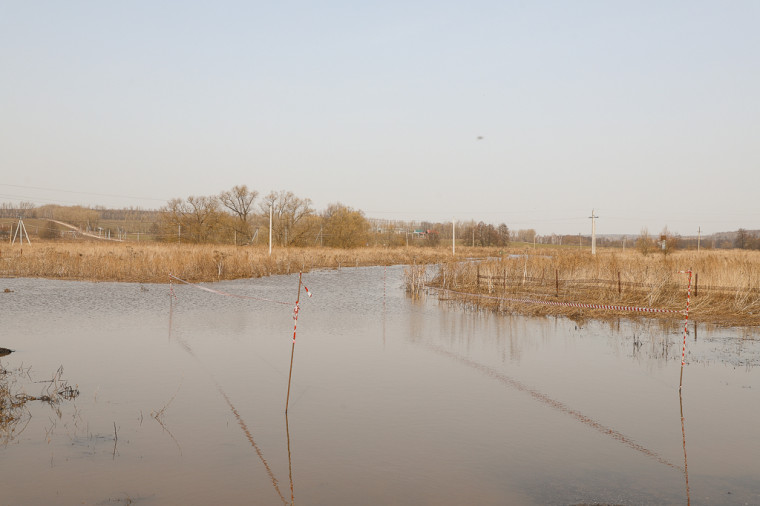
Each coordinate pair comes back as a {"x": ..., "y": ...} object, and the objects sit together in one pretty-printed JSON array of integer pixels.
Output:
[
  {"x": 593, "y": 232},
  {"x": 699, "y": 237}
]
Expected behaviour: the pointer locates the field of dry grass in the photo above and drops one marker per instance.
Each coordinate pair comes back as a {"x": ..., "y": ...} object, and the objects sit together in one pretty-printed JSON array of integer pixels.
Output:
[
  {"x": 152, "y": 263},
  {"x": 725, "y": 283}
]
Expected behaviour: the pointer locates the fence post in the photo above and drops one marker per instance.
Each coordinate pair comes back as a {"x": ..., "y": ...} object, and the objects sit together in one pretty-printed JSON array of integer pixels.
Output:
[
  {"x": 696, "y": 282},
  {"x": 556, "y": 281},
  {"x": 620, "y": 289},
  {"x": 477, "y": 282}
]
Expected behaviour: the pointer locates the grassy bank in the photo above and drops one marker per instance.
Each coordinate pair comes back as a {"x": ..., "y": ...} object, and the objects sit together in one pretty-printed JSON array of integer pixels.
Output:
[
  {"x": 725, "y": 283},
  {"x": 152, "y": 263}
]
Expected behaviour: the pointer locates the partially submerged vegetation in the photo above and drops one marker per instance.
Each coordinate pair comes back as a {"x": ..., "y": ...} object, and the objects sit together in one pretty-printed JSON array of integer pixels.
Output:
[
  {"x": 14, "y": 413},
  {"x": 725, "y": 284}
]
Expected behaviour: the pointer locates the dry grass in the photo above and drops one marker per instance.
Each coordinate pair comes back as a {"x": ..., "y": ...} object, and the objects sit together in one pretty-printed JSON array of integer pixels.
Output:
[
  {"x": 152, "y": 263},
  {"x": 14, "y": 416},
  {"x": 727, "y": 283}
]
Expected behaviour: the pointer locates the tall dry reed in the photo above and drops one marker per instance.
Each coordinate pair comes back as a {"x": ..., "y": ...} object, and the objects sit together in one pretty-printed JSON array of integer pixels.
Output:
[
  {"x": 152, "y": 263},
  {"x": 725, "y": 284}
]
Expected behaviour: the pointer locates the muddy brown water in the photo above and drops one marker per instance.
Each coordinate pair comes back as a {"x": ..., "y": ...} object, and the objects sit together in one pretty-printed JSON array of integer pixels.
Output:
[{"x": 393, "y": 400}]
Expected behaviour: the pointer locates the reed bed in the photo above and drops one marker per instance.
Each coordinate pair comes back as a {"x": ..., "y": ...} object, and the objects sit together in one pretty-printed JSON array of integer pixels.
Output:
[
  {"x": 725, "y": 284},
  {"x": 152, "y": 263}
]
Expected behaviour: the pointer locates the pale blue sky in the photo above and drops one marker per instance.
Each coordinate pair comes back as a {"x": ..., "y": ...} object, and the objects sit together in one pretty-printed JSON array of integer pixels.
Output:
[{"x": 647, "y": 111}]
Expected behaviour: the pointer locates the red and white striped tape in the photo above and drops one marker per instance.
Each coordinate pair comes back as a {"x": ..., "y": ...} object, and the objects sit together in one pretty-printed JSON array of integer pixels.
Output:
[
  {"x": 567, "y": 304},
  {"x": 219, "y": 292},
  {"x": 686, "y": 318}
]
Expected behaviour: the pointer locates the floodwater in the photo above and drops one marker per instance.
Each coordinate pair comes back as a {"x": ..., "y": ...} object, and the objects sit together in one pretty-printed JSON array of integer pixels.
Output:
[{"x": 393, "y": 400}]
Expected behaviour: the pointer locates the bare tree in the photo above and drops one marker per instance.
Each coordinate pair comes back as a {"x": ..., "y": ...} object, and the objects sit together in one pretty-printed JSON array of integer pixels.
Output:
[
  {"x": 293, "y": 219},
  {"x": 239, "y": 202},
  {"x": 503, "y": 235},
  {"x": 742, "y": 239},
  {"x": 526, "y": 235},
  {"x": 192, "y": 220},
  {"x": 644, "y": 243}
]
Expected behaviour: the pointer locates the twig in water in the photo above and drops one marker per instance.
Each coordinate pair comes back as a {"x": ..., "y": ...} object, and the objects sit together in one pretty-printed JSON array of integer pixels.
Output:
[{"x": 115, "y": 440}]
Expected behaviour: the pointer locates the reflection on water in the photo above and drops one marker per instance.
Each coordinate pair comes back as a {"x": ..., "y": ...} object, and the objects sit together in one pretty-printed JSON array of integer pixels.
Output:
[
  {"x": 236, "y": 413},
  {"x": 393, "y": 400},
  {"x": 555, "y": 404},
  {"x": 683, "y": 437}
]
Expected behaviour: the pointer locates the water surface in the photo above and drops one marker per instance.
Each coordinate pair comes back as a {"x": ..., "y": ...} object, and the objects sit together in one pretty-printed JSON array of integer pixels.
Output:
[{"x": 393, "y": 400}]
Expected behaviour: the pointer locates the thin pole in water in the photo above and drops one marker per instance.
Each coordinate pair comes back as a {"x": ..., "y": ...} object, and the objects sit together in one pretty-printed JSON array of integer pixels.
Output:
[
  {"x": 293, "y": 348},
  {"x": 685, "y": 462},
  {"x": 685, "y": 327},
  {"x": 290, "y": 464}
]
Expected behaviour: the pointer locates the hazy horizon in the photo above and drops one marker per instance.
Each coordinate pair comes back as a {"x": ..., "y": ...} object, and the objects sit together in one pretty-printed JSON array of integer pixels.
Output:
[{"x": 526, "y": 113}]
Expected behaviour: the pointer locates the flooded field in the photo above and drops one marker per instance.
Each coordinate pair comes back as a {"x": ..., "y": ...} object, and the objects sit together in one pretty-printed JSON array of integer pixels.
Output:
[{"x": 393, "y": 400}]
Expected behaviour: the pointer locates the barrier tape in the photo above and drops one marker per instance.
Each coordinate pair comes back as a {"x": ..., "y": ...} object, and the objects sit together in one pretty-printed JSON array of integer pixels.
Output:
[
  {"x": 295, "y": 321},
  {"x": 567, "y": 304},
  {"x": 219, "y": 292},
  {"x": 686, "y": 319}
]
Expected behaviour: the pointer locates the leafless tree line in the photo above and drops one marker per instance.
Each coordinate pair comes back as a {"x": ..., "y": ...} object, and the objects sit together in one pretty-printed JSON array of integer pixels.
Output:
[{"x": 236, "y": 215}]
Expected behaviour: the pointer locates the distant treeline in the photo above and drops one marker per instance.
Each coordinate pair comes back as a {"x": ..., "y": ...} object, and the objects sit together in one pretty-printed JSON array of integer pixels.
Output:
[{"x": 239, "y": 216}]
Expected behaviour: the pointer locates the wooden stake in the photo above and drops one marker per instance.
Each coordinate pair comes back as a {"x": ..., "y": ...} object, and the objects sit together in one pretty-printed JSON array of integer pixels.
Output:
[
  {"x": 293, "y": 348},
  {"x": 685, "y": 328}
]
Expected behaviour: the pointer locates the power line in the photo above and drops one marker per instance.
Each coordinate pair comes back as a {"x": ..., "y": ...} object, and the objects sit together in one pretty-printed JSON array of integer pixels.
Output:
[{"x": 83, "y": 193}]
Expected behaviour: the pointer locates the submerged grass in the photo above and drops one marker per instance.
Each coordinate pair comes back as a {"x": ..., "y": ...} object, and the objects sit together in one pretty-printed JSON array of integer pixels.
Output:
[{"x": 725, "y": 284}]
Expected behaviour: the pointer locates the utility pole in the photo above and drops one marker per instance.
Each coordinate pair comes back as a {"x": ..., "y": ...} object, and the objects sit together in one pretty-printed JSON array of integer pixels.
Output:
[
  {"x": 179, "y": 234},
  {"x": 593, "y": 232},
  {"x": 22, "y": 229},
  {"x": 699, "y": 237}
]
